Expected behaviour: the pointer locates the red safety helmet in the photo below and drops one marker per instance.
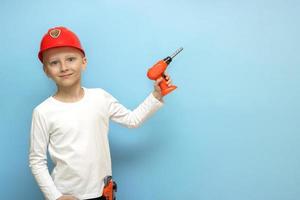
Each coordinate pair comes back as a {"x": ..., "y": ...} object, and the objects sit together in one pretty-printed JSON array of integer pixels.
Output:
[{"x": 59, "y": 37}]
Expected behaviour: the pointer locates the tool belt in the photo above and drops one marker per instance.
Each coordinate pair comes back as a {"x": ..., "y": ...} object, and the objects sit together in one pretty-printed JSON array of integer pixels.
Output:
[{"x": 110, "y": 188}]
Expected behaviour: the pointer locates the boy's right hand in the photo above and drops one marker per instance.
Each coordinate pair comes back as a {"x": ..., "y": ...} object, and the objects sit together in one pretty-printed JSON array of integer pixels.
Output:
[{"x": 67, "y": 197}]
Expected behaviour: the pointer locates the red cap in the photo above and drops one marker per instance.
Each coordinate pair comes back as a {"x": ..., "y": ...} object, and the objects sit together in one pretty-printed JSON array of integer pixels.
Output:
[{"x": 59, "y": 37}]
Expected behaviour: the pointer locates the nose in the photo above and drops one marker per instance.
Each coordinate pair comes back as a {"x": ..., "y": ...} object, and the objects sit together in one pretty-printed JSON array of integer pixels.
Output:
[{"x": 63, "y": 66}]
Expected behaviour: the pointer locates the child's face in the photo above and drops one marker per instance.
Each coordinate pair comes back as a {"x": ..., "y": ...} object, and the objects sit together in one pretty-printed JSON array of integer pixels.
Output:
[{"x": 62, "y": 61}]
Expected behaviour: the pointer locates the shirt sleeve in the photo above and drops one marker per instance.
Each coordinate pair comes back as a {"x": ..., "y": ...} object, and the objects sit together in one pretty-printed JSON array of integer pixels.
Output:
[
  {"x": 132, "y": 119},
  {"x": 39, "y": 139}
]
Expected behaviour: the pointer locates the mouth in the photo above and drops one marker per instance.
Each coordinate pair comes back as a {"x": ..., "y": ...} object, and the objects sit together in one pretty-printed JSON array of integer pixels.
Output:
[{"x": 65, "y": 76}]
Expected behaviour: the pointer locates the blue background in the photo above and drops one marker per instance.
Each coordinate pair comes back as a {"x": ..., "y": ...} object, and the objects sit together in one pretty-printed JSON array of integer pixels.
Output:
[{"x": 229, "y": 132}]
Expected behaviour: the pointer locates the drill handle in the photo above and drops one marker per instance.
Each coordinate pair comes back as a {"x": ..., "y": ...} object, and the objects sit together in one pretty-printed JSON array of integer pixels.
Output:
[{"x": 165, "y": 89}]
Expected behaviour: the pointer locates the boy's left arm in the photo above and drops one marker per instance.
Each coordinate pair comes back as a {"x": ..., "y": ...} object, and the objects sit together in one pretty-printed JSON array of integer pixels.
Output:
[{"x": 133, "y": 119}]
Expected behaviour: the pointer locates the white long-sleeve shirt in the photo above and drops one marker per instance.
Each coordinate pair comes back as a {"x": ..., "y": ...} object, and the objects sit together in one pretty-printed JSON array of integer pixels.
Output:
[{"x": 76, "y": 137}]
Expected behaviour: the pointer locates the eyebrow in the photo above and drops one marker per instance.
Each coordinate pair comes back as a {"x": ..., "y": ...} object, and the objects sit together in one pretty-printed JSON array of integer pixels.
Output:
[
  {"x": 70, "y": 56},
  {"x": 50, "y": 59},
  {"x": 55, "y": 58}
]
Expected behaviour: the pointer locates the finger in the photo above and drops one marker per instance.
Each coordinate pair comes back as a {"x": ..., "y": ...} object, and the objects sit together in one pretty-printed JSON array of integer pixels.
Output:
[
  {"x": 159, "y": 80},
  {"x": 169, "y": 81},
  {"x": 167, "y": 77}
]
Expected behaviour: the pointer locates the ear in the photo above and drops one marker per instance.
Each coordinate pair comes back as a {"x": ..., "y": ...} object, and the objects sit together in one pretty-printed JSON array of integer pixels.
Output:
[
  {"x": 84, "y": 63},
  {"x": 46, "y": 70}
]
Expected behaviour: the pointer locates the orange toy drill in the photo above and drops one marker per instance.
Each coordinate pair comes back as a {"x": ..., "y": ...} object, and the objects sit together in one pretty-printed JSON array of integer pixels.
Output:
[
  {"x": 158, "y": 70},
  {"x": 110, "y": 187}
]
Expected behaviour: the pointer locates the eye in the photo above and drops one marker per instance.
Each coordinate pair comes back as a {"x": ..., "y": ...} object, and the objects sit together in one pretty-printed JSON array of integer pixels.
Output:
[
  {"x": 70, "y": 59},
  {"x": 55, "y": 62}
]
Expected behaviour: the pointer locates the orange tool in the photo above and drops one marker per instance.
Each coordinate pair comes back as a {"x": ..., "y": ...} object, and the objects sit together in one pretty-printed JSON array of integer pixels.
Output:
[
  {"x": 158, "y": 70},
  {"x": 110, "y": 187}
]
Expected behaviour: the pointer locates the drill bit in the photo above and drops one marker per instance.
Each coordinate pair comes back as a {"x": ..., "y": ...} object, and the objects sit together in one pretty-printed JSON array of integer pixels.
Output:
[{"x": 176, "y": 52}]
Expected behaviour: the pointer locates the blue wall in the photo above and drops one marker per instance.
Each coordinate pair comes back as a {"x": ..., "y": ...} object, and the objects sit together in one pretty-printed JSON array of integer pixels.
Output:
[{"x": 230, "y": 132}]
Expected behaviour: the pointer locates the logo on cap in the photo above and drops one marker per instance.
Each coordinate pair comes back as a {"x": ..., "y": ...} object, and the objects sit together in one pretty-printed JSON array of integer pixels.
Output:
[{"x": 55, "y": 33}]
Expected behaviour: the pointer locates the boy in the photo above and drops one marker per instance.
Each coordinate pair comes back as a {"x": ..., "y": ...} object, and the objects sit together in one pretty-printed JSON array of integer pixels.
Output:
[{"x": 73, "y": 123}]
